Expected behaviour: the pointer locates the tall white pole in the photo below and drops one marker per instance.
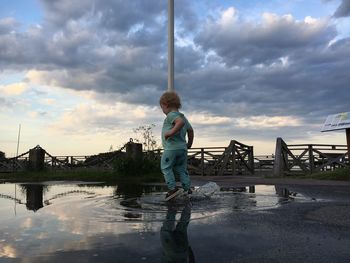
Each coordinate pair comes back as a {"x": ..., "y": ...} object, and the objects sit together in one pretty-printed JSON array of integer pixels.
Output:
[
  {"x": 15, "y": 198},
  {"x": 170, "y": 45},
  {"x": 19, "y": 135}
]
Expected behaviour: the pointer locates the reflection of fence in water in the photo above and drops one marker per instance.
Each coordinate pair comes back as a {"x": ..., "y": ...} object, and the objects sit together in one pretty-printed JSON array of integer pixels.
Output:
[
  {"x": 34, "y": 195},
  {"x": 17, "y": 200}
]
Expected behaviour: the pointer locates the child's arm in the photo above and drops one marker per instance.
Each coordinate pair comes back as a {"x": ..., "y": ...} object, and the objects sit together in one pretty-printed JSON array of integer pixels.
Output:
[
  {"x": 190, "y": 135},
  {"x": 178, "y": 124}
]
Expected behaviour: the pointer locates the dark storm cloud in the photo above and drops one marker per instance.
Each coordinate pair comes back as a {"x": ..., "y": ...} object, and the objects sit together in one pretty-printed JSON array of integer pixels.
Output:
[
  {"x": 106, "y": 46},
  {"x": 123, "y": 44},
  {"x": 122, "y": 15},
  {"x": 343, "y": 10},
  {"x": 275, "y": 67},
  {"x": 7, "y": 25},
  {"x": 185, "y": 17},
  {"x": 278, "y": 67},
  {"x": 251, "y": 44}
]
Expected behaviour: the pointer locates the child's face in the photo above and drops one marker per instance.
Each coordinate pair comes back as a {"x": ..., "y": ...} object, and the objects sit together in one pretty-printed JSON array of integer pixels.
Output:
[{"x": 165, "y": 108}]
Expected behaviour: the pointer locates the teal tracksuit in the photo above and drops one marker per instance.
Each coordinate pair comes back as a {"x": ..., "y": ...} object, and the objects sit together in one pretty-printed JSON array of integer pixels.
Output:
[{"x": 174, "y": 158}]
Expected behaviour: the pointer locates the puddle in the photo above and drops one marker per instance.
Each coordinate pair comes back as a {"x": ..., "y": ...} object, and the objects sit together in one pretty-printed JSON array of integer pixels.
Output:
[
  {"x": 151, "y": 206},
  {"x": 50, "y": 218},
  {"x": 124, "y": 203}
]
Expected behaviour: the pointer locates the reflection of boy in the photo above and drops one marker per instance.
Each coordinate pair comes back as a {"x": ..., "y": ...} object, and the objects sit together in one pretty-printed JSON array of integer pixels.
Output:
[
  {"x": 174, "y": 239},
  {"x": 174, "y": 158}
]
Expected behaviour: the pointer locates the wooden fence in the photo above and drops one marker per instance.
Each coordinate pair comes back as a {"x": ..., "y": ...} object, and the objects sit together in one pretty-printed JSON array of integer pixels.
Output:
[
  {"x": 18, "y": 163},
  {"x": 100, "y": 161},
  {"x": 263, "y": 164},
  {"x": 235, "y": 159},
  {"x": 308, "y": 158}
]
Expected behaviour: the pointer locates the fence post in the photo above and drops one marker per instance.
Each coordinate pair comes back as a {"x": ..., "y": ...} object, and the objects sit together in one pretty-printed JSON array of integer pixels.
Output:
[
  {"x": 134, "y": 150},
  {"x": 278, "y": 163},
  {"x": 251, "y": 159},
  {"x": 36, "y": 158},
  {"x": 234, "y": 158},
  {"x": 311, "y": 159},
  {"x": 202, "y": 161},
  {"x": 348, "y": 143}
]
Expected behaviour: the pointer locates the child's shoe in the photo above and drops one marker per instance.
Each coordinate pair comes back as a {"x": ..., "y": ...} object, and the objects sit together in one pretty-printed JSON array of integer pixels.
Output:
[
  {"x": 188, "y": 193},
  {"x": 173, "y": 193}
]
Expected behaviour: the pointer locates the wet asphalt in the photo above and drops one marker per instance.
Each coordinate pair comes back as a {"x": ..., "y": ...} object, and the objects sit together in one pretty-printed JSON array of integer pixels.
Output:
[{"x": 314, "y": 228}]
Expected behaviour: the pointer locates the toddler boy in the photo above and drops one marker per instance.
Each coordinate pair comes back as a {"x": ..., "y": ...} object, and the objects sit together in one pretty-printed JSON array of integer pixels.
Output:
[{"x": 174, "y": 158}]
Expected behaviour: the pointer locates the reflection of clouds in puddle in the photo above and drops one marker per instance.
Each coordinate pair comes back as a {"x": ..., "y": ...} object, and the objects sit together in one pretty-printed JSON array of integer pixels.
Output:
[
  {"x": 27, "y": 223},
  {"x": 8, "y": 251},
  {"x": 65, "y": 224},
  {"x": 77, "y": 219},
  {"x": 81, "y": 221},
  {"x": 58, "y": 235},
  {"x": 265, "y": 189}
]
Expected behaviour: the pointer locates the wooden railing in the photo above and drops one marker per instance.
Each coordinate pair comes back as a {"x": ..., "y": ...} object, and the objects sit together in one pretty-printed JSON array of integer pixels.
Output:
[
  {"x": 263, "y": 164},
  {"x": 308, "y": 158},
  {"x": 235, "y": 159},
  {"x": 21, "y": 162},
  {"x": 17, "y": 163}
]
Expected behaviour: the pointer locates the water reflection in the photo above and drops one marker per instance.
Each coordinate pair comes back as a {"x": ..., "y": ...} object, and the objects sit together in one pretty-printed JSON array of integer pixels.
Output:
[
  {"x": 34, "y": 196},
  {"x": 71, "y": 217},
  {"x": 173, "y": 235},
  {"x": 127, "y": 190},
  {"x": 285, "y": 192}
]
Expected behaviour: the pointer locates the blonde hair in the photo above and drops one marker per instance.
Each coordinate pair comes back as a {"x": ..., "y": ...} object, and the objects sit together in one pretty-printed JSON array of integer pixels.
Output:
[{"x": 171, "y": 99}]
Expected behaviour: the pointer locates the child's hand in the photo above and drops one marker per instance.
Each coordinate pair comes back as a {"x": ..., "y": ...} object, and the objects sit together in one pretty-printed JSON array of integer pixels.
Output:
[
  {"x": 178, "y": 124},
  {"x": 168, "y": 135}
]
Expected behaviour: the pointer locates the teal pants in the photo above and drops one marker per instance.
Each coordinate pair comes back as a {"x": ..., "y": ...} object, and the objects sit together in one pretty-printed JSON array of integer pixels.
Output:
[
  {"x": 174, "y": 238},
  {"x": 175, "y": 162}
]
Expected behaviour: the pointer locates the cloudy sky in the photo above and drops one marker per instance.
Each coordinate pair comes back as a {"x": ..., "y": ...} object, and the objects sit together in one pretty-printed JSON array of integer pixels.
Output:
[{"x": 79, "y": 76}]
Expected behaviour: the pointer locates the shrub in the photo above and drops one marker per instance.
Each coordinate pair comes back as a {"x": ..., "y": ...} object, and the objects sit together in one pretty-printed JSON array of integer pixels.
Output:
[
  {"x": 127, "y": 166},
  {"x": 338, "y": 174}
]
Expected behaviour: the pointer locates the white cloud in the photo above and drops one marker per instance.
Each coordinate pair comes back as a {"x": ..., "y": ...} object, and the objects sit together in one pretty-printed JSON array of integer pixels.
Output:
[
  {"x": 49, "y": 101},
  {"x": 310, "y": 20},
  {"x": 271, "y": 19},
  {"x": 208, "y": 119},
  {"x": 93, "y": 116},
  {"x": 14, "y": 89},
  {"x": 228, "y": 17},
  {"x": 262, "y": 122}
]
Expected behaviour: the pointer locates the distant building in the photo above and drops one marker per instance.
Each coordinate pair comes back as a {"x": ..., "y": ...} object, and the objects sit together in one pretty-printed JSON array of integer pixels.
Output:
[{"x": 2, "y": 155}]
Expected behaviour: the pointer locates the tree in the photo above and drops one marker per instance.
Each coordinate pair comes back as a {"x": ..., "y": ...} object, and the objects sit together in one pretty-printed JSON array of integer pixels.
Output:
[{"x": 145, "y": 132}]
